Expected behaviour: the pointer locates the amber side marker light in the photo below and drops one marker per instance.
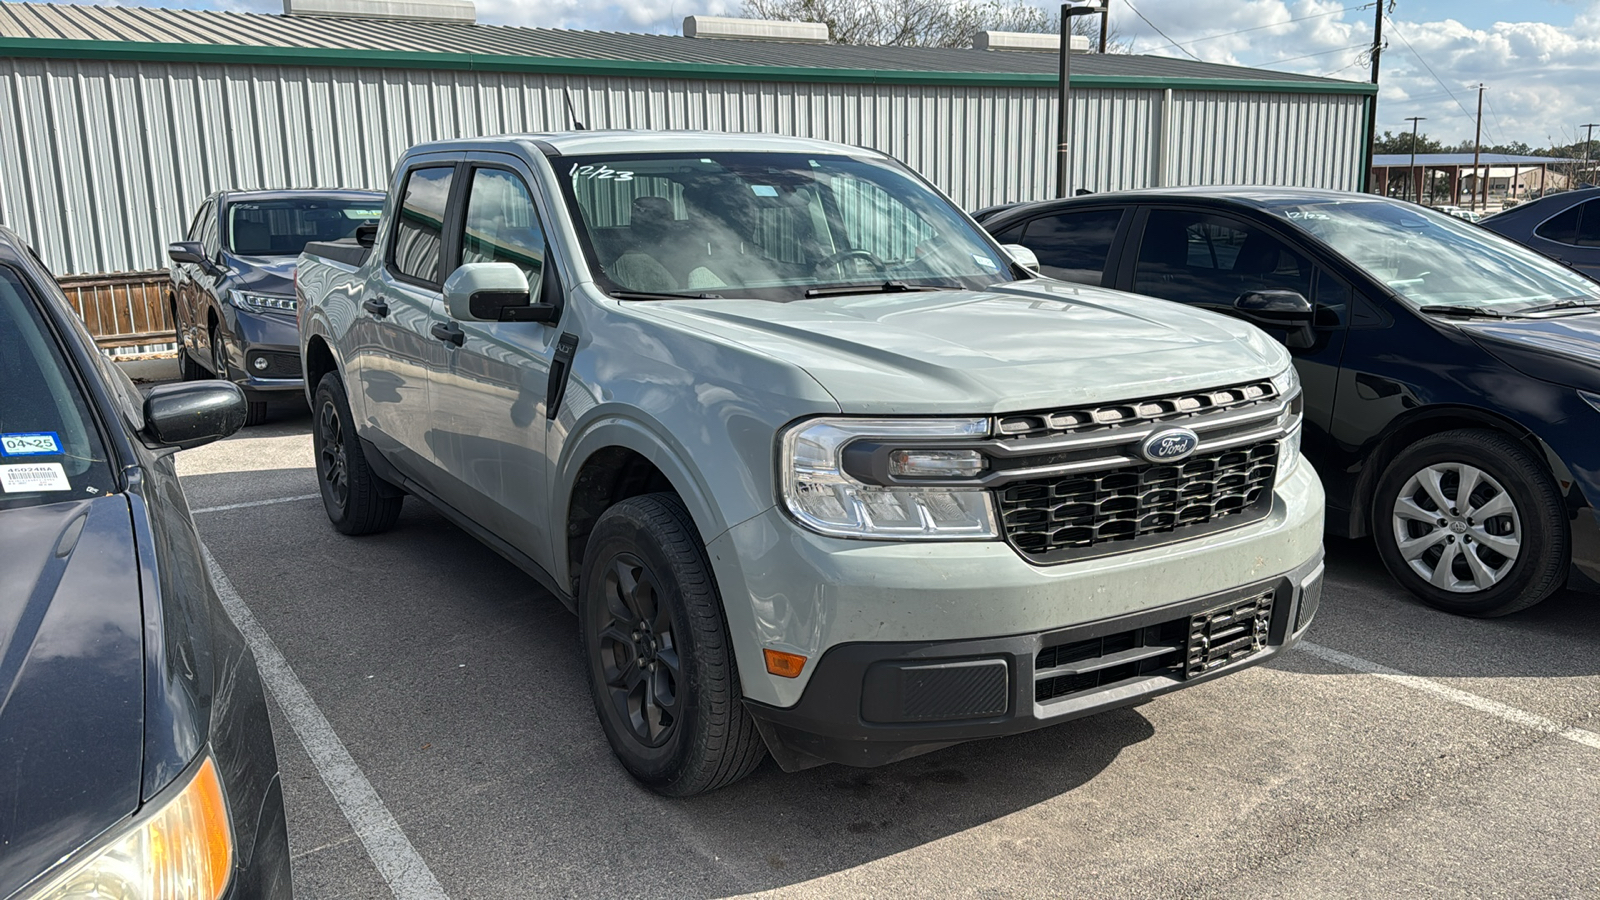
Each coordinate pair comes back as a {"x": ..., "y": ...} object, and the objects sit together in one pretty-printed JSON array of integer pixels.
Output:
[{"x": 784, "y": 665}]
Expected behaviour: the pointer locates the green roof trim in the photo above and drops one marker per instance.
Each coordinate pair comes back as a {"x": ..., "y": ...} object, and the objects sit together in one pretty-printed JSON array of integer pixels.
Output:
[{"x": 225, "y": 54}]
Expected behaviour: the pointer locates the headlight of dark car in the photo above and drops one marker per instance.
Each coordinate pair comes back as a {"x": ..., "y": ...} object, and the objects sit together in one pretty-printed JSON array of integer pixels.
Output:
[{"x": 263, "y": 302}]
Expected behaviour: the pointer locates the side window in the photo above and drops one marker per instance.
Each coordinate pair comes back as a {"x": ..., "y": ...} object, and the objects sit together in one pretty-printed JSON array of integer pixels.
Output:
[
  {"x": 1012, "y": 235},
  {"x": 502, "y": 225},
  {"x": 1332, "y": 301},
  {"x": 1589, "y": 228},
  {"x": 193, "y": 234},
  {"x": 1198, "y": 257},
  {"x": 1073, "y": 246},
  {"x": 208, "y": 230},
  {"x": 1564, "y": 228},
  {"x": 419, "y": 227}
]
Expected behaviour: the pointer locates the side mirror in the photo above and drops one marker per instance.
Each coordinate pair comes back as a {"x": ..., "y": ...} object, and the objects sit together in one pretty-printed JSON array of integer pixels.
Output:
[
  {"x": 367, "y": 235},
  {"x": 1022, "y": 256},
  {"x": 1287, "y": 311},
  {"x": 188, "y": 414},
  {"x": 493, "y": 292},
  {"x": 193, "y": 253}
]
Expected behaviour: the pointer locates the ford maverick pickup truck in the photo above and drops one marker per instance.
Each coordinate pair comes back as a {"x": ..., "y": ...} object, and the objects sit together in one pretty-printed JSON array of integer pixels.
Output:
[{"x": 822, "y": 469}]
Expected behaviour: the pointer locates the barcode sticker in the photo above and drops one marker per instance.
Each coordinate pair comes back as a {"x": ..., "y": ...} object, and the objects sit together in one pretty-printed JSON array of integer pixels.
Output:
[
  {"x": 29, "y": 443},
  {"x": 33, "y": 477}
]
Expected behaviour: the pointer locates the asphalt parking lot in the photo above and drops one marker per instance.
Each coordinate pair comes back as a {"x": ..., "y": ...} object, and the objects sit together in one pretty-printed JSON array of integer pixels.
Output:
[{"x": 1403, "y": 752}]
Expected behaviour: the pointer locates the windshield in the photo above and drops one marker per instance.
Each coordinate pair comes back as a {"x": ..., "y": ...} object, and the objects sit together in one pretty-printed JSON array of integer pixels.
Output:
[
  {"x": 1431, "y": 259},
  {"x": 50, "y": 449},
  {"x": 283, "y": 227},
  {"x": 773, "y": 226}
]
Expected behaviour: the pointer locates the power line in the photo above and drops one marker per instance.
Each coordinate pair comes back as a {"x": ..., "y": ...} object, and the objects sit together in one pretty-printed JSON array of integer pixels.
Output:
[
  {"x": 1321, "y": 53},
  {"x": 1162, "y": 33},
  {"x": 1322, "y": 15},
  {"x": 1425, "y": 65}
]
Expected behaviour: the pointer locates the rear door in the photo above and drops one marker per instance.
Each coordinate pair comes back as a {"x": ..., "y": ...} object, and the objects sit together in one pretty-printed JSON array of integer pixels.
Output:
[
  {"x": 489, "y": 400},
  {"x": 1573, "y": 237},
  {"x": 396, "y": 352}
]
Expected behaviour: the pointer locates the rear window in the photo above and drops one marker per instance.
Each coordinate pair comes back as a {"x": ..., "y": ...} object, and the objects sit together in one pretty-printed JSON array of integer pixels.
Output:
[
  {"x": 284, "y": 227},
  {"x": 50, "y": 446}
]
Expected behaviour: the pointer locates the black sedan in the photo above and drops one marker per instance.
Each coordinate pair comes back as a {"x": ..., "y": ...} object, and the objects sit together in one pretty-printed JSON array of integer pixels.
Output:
[
  {"x": 1451, "y": 377},
  {"x": 136, "y": 759},
  {"x": 1563, "y": 226},
  {"x": 232, "y": 294}
]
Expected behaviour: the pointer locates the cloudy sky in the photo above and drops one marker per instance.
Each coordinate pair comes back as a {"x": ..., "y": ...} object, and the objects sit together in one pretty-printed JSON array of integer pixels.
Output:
[{"x": 1539, "y": 58}]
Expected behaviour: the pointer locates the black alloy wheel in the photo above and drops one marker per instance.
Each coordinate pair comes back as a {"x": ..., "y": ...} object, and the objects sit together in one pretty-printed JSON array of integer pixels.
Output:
[
  {"x": 356, "y": 499},
  {"x": 660, "y": 660}
]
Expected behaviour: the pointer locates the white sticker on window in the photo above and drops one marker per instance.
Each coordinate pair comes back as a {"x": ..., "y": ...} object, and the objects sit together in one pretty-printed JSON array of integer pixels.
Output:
[
  {"x": 763, "y": 190},
  {"x": 29, "y": 443},
  {"x": 985, "y": 263},
  {"x": 33, "y": 477}
]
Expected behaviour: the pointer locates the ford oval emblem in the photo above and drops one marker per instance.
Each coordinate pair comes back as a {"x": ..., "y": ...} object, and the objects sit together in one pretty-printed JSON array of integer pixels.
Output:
[{"x": 1169, "y": 445}]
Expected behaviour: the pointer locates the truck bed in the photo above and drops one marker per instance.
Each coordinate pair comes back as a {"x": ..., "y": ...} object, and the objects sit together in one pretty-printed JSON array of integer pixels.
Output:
[{"x": 345, "y": 250}]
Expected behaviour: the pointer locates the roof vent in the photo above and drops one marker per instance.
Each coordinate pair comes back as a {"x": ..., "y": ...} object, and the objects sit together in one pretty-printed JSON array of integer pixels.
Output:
[
  {"x": 460, "y": 12},
  {"x": 753, "y": 29},
  {"x": 1020, "y": 40}
]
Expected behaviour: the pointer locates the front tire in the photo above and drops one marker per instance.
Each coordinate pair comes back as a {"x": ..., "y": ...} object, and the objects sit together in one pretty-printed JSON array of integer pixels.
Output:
[
  {"x": 357, "y": 501},
  {"x": 255, "y": 411},
  {"x": 1472, "y": 524},
  {"x": 188, "y": 369},
  {"x": 660, "y": 662}
]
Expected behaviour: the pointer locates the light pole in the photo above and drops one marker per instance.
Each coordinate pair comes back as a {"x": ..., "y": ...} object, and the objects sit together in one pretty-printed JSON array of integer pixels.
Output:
[
  {"x": 1416, "y": 186},
  {"x": 1063, "y": 113}
]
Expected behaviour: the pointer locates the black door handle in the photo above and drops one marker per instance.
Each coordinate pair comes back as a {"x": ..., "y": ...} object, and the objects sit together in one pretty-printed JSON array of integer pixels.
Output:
[
  {"x": 375, "y": 306},
  {"x": 449, "y": 332}
]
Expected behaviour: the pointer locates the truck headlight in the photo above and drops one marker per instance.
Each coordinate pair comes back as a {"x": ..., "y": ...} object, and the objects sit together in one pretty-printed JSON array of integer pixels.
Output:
[
  {"x": 822, "y": 496},
  {"x": 1287, "y": 384},
  {"x": 263, "y": 302},
  {"x": 184, "y": 849}
]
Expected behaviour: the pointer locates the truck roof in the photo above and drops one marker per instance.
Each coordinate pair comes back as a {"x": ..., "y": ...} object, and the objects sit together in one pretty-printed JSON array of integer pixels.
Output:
[{"x": 581, "y": 143}]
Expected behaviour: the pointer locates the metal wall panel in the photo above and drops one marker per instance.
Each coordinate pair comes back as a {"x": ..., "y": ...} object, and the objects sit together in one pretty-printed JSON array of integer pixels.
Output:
[{"x": 103, "y": 163}]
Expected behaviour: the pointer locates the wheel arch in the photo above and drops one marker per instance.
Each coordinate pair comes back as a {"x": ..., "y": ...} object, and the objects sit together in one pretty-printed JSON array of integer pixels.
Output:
[
  {"x": 1415, "y": 425},
  {"x": 317, "y": 360}
]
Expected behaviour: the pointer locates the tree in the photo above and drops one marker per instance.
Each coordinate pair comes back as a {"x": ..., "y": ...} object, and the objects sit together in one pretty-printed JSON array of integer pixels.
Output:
[
  {"x": 1401, "y": 143},
  {"x": 925, "y": 23}
]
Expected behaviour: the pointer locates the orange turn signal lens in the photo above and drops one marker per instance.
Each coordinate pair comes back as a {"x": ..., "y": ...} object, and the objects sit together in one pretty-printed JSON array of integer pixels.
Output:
[{"x": 784, "y": 665}]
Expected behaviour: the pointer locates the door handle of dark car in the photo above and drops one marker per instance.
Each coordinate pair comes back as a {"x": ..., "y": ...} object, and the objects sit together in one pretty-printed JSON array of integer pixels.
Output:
[
  {"x": 375, "y": 306},
  {"x": 449, "y": 332}
]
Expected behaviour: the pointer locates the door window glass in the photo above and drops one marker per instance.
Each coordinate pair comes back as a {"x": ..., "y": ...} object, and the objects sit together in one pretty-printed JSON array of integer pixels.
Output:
[
  {"x": 193, "y": 233},
  {"x": 1563, "y": 228},
  {"x": 1589, "y": 228},
  {"x": 1197, "y": 257},
  {"x": 419, "y": 228},
  {"x": 1073, "y": 246},
  {"x": 208, "y": 232},
  {"x": 502, "y": 225}
]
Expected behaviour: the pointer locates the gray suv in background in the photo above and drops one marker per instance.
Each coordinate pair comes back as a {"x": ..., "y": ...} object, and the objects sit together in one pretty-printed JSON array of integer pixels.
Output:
[
  {"x": 232, "y": 294},
  {"x": 821, "y": 469}
]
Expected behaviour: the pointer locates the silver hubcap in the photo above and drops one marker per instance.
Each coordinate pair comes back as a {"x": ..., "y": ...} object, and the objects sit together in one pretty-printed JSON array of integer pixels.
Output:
[{"x": 1457, "y": 528}]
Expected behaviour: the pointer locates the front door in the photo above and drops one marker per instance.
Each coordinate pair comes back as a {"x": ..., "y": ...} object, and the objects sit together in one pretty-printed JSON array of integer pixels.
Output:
[{"x": 489, "y": 401}]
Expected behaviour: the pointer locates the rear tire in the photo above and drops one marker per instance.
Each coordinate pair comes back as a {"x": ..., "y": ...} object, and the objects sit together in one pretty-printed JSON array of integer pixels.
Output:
[
  {"x": 255, "y": 412},
  {"x": 357, "y": 501},
  {"x": 1471, "y": 523},
  {"x": 660, "y": 662}
]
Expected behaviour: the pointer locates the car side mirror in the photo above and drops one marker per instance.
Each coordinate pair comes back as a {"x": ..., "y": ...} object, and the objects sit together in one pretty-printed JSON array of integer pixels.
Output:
[
  {"x": 191, "y": 413},
  {"x": 493, "y": 292},
  {"x": 1287, "y": 311},
  {"x": 1022, "y": 256},
  {"x": 193, "y": 253},
  {"x": 367, "y": 235}
]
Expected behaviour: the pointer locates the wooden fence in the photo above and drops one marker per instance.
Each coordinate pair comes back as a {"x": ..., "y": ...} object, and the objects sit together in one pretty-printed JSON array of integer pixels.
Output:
[{"x": 124, "y": 309}]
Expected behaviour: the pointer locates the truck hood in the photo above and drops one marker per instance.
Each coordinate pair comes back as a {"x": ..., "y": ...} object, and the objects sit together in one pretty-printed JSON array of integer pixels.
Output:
[
  {"x": 71, "y": 680},
  {"x": 1025, "y": 345},
  {"x": 1564, "y": 348}
]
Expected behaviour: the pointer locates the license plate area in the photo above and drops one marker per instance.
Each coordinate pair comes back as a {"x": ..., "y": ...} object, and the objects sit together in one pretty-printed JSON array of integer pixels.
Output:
[{"x": 1227, "y": 634}]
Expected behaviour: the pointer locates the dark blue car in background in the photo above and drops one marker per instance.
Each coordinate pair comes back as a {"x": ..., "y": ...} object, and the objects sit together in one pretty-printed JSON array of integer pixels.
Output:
[
  {"x": 232, "y": 292},
  {"x": 136, "y": 758},
  {"x": 1564, "y": 227},
  {"x": 1451, "y": 377}
]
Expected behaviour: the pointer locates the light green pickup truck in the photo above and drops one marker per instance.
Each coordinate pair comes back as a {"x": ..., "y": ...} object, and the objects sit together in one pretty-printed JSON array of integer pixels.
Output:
[{"x": 822, "y": 469}]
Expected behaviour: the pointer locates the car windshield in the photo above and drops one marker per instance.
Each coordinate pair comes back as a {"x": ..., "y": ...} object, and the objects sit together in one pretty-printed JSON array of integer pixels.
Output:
[
  {"x": 773, "y": 226},
  {"x": 283, "y": 227},
  {"x": 1431, "y": 259},
  {"x": 50, "y": 448}
]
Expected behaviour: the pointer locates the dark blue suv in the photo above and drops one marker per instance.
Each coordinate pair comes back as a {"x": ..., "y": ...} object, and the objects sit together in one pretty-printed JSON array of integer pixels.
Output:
[{"x": 232, "y": 293}]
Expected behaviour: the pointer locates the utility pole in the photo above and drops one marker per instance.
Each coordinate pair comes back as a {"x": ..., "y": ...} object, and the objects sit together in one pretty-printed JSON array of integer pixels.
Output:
[
  {"x": 1105, "y": 24},
  {"x": 1588, "y": 147},
  {"x": 1416, "y": 183},
  {"x": 1477, "y": 148},
  {"x": 1372, "y": 105},
  {"x": 1063, "y": 110}
]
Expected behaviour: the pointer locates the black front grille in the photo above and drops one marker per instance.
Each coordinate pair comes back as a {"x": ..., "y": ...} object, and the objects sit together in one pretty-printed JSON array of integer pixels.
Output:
[{"x": 1069, "y": 517}]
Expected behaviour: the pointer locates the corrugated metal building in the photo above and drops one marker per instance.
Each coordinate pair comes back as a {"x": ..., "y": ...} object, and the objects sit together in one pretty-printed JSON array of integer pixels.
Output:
[{"x": 116, "y": 122}]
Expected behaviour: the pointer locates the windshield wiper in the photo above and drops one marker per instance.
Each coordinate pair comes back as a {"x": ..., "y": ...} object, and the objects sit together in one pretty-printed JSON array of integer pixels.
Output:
[
  {"x": 662, "y": 295},
  {"x": 887, "y": 287},
  {"x": 1558, "y": 304},
  {"x": 1474, "y": 311}
]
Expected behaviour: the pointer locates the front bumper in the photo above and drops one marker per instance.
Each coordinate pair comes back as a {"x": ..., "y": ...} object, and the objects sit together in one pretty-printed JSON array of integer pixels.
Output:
[
  {"x": 869, "y": 704},
  {"x": 264, "y": 353}
]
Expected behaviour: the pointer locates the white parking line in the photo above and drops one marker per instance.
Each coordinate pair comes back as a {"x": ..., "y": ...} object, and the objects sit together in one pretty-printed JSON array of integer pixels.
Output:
[
  {"x": 398, "y": 862},
  {"x": 211, "y": 509},
  {"x": 1472, "y": 701}
]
